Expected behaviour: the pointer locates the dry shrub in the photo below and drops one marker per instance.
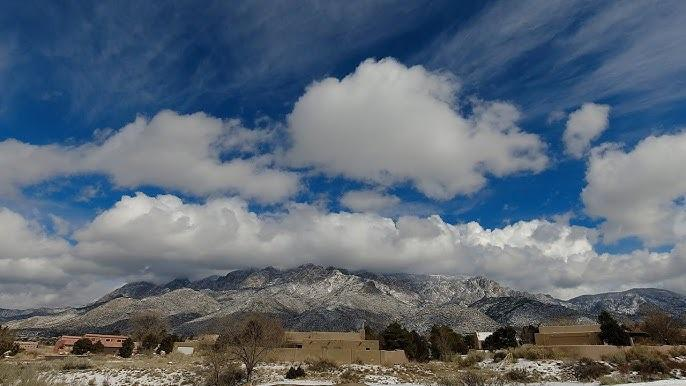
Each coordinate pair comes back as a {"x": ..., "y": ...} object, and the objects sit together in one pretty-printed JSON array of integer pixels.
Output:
[
  {"x": 588, "y": 370},
  {"x": 499, "y": 356},
  {"x": 295, "y": 372},
  {"x": 322, "y": 366},
  {"x": 471, "y": 359},
  {"x": 75, "y": 364},
  {"x": 534, "y": 353},
  {"x": 643, "y": 353},
  {"x": 647, "y": 362},
  {"x": 471, "y": 378},
  {"x": 617, "y": 358},
  {"x": 612, "y": 380},
  {"x": 350, "y": 376},
  {"x": 519, "y": 376},
  {"x": 677, "y": 351}
]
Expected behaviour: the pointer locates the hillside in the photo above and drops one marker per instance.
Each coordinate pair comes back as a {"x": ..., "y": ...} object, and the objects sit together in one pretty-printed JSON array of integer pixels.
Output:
[{"x": 312, "y": 297}]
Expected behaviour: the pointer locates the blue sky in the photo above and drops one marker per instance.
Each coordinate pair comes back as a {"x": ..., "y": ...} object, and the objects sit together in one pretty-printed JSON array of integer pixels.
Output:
[{"x": 422, "y": 119}]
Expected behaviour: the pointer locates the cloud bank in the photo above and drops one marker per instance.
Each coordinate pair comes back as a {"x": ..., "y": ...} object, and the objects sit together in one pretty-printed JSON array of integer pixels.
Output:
[{"x": 163, "y": 237}]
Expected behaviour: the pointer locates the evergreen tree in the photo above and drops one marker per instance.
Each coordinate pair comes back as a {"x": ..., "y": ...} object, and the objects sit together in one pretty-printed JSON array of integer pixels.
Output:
[
  {"x": 126, "y": 349},
  {"x": 503, "y": 337},
  {"x": 446, "y": 342},
  {"x": 167, "y": 344},
  {"x": 418, "y": 348},
  {"x": 394, "y": 337},
  {"x": 82, "y": 346},
  {"x": 98, "y": 348},
  {"x": 611, "y": 332}
]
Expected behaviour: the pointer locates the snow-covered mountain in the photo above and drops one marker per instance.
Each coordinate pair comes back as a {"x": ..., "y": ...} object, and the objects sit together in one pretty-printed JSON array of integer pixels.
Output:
[
  {"x": 633, "y": 303},
  {"x": 312, "y": 297}
]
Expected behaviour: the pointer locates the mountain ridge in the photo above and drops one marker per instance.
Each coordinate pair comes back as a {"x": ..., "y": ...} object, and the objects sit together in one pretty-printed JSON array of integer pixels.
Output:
[{"x": 312, "y": 297}]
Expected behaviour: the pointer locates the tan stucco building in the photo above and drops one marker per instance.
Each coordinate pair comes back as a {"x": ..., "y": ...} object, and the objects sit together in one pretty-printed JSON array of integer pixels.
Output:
[
  {"x": 573, "y": 335},
  {"x": 338, "y": 347}
]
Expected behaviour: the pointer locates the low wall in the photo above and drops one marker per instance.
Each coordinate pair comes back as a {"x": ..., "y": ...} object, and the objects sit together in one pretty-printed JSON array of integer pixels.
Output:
[
  {"x": 395, "y": 357},
  {"x": 339, "y": 356},
  {"x": 597, "y": 352}
]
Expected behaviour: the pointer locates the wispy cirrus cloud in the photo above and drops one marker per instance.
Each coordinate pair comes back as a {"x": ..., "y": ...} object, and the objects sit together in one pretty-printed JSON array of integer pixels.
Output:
[{"x": 591, "y": 50}]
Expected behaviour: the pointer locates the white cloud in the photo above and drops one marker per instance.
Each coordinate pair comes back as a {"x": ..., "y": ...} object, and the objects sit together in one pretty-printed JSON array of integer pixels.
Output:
[
  {"x": 387, "y": 123},
  {"x": 597, "y": 50},
  {"x": 180, "y": 152},
  {"x": 640, "y": 192},
  {"x": 368, "y": 200},
  {"x": 583, "y": 126},
  {"x": 164, "y": 236},
  {"x": 158, "y": 238}
]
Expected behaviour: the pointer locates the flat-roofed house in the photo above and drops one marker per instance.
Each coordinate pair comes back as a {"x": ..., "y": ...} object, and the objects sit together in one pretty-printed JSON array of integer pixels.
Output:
[
  {"x": 26, "y": 345},
  {"x": 338, "y": 347},
  {"x": 112, "y": 343},
  {"x": 572, "y": 335},
  {"x": 65, "y": 343}
]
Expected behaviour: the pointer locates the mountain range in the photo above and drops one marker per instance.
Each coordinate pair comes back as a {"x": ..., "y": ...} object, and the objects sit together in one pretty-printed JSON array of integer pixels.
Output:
[{"x": 312, "y": 297}]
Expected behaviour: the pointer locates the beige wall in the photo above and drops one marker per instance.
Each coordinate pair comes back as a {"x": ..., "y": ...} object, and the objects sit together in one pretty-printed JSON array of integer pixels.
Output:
[
  {"x": 339, "y": 356},
  {"x": 298, "y": 336},
  {"x": 566, "y": 339},
  {"x": 569, "y": 329},
  {"x": 339, "y": 344}
]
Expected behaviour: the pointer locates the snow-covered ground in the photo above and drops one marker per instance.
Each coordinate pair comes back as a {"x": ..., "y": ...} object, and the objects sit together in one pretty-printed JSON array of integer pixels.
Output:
[
  {"x": 547, "y": 372},
  {"x": 121, "y": 377}
]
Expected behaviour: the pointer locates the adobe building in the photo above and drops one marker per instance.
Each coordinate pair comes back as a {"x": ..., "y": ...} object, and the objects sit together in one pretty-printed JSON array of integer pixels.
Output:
[
  {"x": 189, "y": 347},
  {"x": 112, "y": 343},
  {"x": 573, "y": 335},
  {"x": 26, "y": 345},
  {"x": 337, "y": 347}
]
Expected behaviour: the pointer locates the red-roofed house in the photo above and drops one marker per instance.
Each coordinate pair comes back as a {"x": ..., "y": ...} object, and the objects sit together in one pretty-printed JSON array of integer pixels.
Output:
[{"x": 112, "y": 343}]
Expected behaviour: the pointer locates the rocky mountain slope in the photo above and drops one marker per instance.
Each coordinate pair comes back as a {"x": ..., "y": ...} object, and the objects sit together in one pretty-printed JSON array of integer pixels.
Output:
[
  {"x": 633, "y": 303},
  {"x": 311, "y": 297}
]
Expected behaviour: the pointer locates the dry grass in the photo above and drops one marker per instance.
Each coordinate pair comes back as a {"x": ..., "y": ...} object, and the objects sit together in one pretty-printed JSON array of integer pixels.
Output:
[
  {"x": 21, "y": 375},
  {"x": 677, "y": 351},
  {"x": 470, "y": 359},
  {"x": 589, "y": 370},
  {"x": 613, "y": 380},
  {"x": 534, "y": 353},
  {"x": 322, "y": 366},
  {"x": 471, "y": 377}
]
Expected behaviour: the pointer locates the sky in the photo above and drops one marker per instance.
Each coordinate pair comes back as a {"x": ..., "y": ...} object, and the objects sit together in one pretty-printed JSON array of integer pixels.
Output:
[{"x": 537, "y": 143}]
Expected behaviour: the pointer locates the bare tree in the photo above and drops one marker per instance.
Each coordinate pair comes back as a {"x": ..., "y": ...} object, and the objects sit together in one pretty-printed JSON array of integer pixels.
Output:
[
  {"x": 7, "y": 337},
  {"x": 148, "y": 327},
  {"x": 662, "y": 328},
  {"x": 250, "y": 339}
]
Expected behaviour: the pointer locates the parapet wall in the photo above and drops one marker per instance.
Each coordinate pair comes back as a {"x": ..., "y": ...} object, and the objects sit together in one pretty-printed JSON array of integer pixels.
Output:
[{"x": 567, "y": 339}]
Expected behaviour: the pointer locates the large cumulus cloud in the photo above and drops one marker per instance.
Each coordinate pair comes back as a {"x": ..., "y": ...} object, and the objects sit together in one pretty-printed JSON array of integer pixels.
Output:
[
  {"x": 387, "y": 123},
  {"x": 640, "y": 192}
]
